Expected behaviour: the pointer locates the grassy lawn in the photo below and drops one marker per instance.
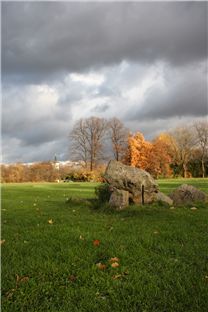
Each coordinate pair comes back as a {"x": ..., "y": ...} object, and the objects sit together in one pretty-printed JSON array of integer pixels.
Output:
[{"x": 49, "y": 259}]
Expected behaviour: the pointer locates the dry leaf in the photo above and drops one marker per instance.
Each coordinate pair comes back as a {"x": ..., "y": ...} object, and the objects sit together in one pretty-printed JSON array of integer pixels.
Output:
[
  {"x": 96, "y": 242},
  {"x": 3, "y": 241},
  {"x": 17, "y": 278},
  {"x": 72, "y": 278},
  {"x": 115, "y": 259},
  {"x": 50, "y": 221},
  {"x": 117, "y": 276},
  {"x": 193, "y": 208},
  {"x": 10, "y": 293},
  {"x": 101, "y": 266},
  {"x": 81, "y": 237},
  {"x": 22, "y": 279},
  {"x": 115, "y": 264}
]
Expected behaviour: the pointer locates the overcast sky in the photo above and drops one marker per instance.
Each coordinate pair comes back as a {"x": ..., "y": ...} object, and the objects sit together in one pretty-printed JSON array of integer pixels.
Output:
[{"x": 145, "y": 63}]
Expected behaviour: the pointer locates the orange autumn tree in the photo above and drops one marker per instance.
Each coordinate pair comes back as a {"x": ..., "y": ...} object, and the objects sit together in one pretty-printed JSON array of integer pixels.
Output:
[
  {"x": 153, "y": 157},
  {"x": 161, "y": 156},
  {"x": 138, "y": 151}
]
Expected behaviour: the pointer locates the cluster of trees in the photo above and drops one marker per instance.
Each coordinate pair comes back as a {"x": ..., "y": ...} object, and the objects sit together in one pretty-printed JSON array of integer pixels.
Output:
[
  {"x": 48, "y": 172},
  {"x": 181, "y": 152},
  {"x": 90, "y": 137},
  {"x": 37, "y": 172}
]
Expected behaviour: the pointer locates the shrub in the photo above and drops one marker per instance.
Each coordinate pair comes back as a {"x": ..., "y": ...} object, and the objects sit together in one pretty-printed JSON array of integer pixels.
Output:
[
  {"x": 83, "y": 175},
  {"x": 103, "y": 192}
]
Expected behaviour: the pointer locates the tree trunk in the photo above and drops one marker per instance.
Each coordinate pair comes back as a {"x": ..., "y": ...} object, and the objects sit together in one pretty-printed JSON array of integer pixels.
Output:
[
  {"x": 185, "y": 171},
  {"x": 203, "y": 168},
  {"x": 91, "y": 164}
]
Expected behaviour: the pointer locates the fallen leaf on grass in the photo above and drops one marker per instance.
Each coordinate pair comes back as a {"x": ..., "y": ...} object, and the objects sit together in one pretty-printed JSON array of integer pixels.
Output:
[
  {"x": 21, "y": 279},
  {"x": 101, "y": 266},
  {"x": 96, "y": 242},
  {"x": 81, "y": 237},
  {"x": 50, "y": 221},
  {"x": 114, "y": 259},
  {"x": 100, "y": 295},
  {"x": 72, "y": 278},
  {"x": 193, "y": 208},
  {"x": 24, "y": 279},
  {"x": 10, "y": 293},
  {"x": 116, "y": 276},
  {"x": 3, "y": 241},
  {"x": 115, "y": 264}
]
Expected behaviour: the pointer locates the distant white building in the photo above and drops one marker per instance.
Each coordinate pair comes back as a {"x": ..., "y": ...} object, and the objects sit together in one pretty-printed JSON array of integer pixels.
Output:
[{"x": 68, "y": 163}]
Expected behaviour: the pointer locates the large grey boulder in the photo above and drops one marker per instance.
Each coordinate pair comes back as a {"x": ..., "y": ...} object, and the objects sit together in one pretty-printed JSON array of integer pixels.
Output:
[
  {"x": 163, "y": 198},
  {"x": 141, "y": 186},
  {"x": 119, "y": 199},
  {"x": 187, "y": 194}
]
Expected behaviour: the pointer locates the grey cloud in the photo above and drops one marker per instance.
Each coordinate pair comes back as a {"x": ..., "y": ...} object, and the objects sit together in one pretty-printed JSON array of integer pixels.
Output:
[
  {"x": 185, "y": 94},
  {"x": 43, "y": 42},
  {"x": 24, "y": 118},
  {"x": 156, "y": 126},
  {"x": 24, "y": 153},
  {"x": 43, "y": 38},
  {"x": 101, "y": 108}
]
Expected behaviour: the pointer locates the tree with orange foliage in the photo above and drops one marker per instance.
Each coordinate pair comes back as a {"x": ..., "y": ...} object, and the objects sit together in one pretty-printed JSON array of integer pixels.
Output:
[
  {"x": 161, "y": 156},
  {"x": 153, "y": 157},
  {"x": 138, "y": 151}
]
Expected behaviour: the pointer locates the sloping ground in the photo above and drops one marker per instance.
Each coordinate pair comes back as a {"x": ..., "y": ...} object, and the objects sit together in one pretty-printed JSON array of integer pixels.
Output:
[{"x": 49, "y": 260}]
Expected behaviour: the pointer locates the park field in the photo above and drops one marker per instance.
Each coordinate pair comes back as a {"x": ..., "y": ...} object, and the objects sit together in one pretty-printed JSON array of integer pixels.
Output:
[{"x": 57, "y": 252}]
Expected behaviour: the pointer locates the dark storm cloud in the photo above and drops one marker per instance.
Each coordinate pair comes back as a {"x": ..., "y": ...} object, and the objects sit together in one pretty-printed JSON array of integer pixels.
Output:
[
  {"x": 62, "y": 61},
  {"x": 41, "y": 39},
  {"x": 184, "y": 94},
  {"x": 31, "y": 115}
]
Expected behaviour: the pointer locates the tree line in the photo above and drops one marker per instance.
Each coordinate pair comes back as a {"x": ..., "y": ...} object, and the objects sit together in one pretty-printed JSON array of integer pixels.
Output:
[
  {"x": 180, "y": 152},
  {"x": 94, "y": 141}
]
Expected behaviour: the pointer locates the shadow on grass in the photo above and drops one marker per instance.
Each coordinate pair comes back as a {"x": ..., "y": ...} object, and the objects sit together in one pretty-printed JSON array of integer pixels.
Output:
[{"x": 96, "y": 206}]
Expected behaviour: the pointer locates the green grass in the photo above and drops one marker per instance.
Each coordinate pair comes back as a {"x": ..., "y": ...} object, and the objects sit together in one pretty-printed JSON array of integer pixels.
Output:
[{"x": 163, "y": 252}]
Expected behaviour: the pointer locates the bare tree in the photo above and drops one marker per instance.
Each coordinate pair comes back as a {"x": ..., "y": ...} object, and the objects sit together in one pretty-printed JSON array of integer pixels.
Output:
[
  {"x": 78, "y": 137},
  {"x": 119, "y": 138},
  {"x": 87, "y": 139},
  {"x": 183, "y": 143},
  {"x": 201, "y": 129}
]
